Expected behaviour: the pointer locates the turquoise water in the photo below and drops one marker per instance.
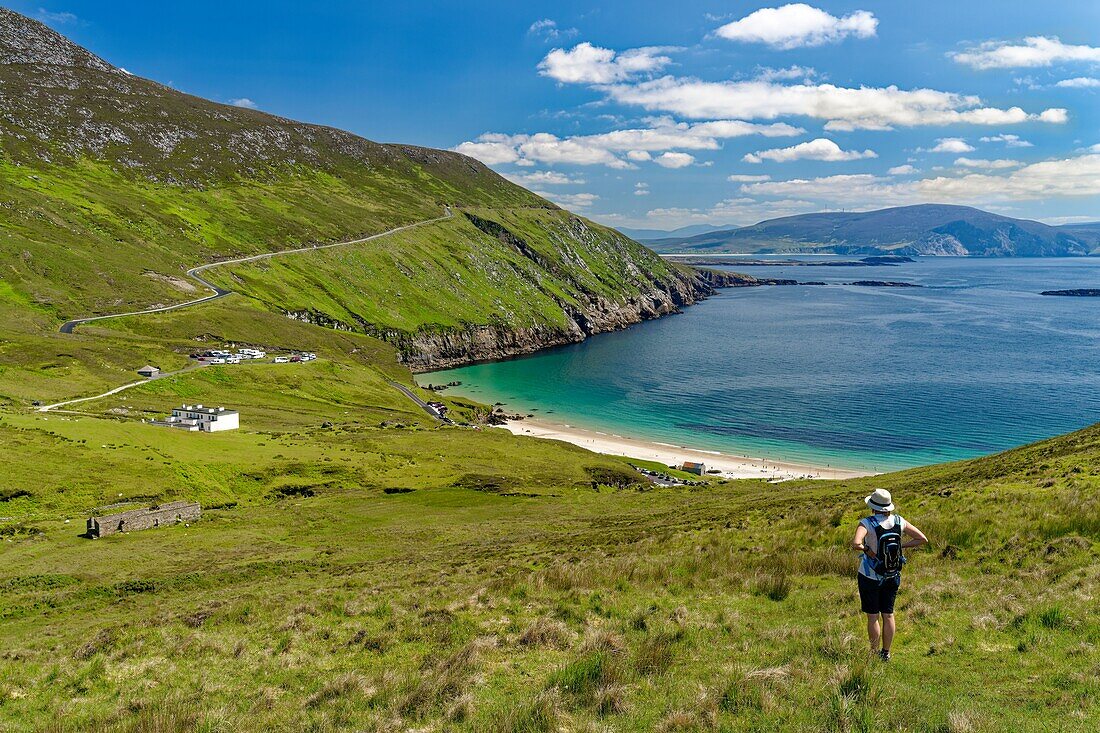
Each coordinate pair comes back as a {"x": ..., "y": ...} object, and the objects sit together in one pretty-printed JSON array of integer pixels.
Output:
[{"x": 869, "y": 378}]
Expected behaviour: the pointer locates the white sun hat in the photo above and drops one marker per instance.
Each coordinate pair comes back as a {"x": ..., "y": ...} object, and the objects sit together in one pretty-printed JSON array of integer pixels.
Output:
[{"x": 880, "y": 501}]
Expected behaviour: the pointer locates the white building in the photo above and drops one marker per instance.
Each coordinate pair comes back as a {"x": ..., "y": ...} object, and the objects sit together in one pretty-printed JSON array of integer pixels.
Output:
[{"x": 199, "y": 418}]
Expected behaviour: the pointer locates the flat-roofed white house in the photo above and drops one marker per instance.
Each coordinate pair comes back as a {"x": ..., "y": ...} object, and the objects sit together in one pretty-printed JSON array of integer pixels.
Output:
[{"x": 202, "y": 419}]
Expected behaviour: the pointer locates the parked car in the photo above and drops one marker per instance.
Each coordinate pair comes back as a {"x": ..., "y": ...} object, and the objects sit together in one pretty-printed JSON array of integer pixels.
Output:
[{"x": 281, "y": 360}]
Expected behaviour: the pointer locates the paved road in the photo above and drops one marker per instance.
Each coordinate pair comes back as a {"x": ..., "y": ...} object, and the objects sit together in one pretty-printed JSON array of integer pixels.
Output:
[
  {"x": 423, "y": 405},
  {"x": 193, "y": 273}
]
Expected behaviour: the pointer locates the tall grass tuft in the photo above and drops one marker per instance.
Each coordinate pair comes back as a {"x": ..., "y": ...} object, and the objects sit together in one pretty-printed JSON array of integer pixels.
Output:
[
  {"x": 545, "y": 633},
  {"x": 742, "y": 693},
  {"x": 657, "y": 651},
  {"x": 439, "y": 681},
  {"x": 852, "y": 703},
  {"x": 776, "y": 586},
  {"x": 539, "y": 714},
  {"x": 1054, "y": 618},
  {"x": 343, "y": 686}
]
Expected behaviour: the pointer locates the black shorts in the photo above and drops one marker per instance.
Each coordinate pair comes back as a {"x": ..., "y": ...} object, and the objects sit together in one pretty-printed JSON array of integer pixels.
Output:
[{"x": 875, "y": 597}]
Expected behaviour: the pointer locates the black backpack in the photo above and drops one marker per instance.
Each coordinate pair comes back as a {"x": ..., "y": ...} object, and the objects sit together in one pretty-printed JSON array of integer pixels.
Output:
[{"x": 890, "y": 556}]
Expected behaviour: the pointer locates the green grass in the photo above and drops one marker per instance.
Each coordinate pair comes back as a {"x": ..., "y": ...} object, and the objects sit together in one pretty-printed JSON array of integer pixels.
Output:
[{"x": 525, "y": 610}]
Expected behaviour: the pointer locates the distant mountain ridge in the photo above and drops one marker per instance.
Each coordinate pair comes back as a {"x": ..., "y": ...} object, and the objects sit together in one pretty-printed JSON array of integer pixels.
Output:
[
  {"x": 692, "y": 230},
  {"x": 922, "y": 229}
]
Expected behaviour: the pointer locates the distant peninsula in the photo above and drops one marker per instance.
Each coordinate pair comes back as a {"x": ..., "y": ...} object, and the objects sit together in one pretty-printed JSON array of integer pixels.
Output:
[
  {"x": 1075, "y": 293},
  {"x": 873, "y": 261}
]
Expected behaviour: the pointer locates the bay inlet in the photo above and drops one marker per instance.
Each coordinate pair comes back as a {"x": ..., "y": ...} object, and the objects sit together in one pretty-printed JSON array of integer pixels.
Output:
[{"x": 835, "y": 376}]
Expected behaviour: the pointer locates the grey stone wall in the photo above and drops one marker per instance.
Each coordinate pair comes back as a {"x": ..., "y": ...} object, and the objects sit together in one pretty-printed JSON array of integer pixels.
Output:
[{"x": 135, "y": 519}]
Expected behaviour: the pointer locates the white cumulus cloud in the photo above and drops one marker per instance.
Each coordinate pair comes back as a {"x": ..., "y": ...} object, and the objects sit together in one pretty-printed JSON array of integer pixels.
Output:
[
  {"x": 797, "y": 25},
  {"x": 843, "y": 108},
  {"x": 641, "y": 189},
  {"x": 987, "y": 164},
  {"x": 902, "y": 170},
  {"x": 1034, "y": 51},
  {"x": 570, "y": 200},
  {"x": 743, "y": 178},
  {"x": 244, "y": 102},
  {"x": 589, "y": 64},
  {"x": 638, "y": 144},
  {"x": 1010, "y": 141},
  {"x": 1056, "y": 116},
  {"x": 819, "y": 149},
  {"x": 1079, "y": 82},
  {"x": 1067, "y": 177},
  {"x": 674, "y": 160},
  {"x": 544, "y": 178},
  {"x": 949, "y": 145}
]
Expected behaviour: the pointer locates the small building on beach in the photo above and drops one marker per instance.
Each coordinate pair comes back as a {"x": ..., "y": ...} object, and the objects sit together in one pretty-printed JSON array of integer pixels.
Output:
[
  {"x": 148, "y": 518},
  {"x": 149, "y": 371},
  {"x": 698, "y": 469}
]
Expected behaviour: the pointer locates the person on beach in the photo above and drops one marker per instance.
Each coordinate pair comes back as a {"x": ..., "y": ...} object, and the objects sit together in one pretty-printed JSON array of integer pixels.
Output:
[{"x": 881, "y": 537}]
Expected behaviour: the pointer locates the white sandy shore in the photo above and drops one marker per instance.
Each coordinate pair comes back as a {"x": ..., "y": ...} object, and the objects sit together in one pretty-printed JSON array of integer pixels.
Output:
[{"x": 669, "y": 455}]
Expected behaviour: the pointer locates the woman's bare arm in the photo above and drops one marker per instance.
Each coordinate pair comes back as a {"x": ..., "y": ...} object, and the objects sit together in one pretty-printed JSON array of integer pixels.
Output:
[
  {"x": 858, "y": 540},
  {"x": 919, "y": 537}
]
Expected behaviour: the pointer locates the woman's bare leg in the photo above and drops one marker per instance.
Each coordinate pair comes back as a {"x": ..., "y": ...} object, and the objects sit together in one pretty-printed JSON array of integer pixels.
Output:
[
  {"x": 873, "y": 633},
  {"x": 888, "y": 628}
]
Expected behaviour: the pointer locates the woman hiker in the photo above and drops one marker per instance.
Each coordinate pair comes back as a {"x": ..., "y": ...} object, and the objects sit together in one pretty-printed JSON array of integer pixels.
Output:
[{"x": 881, "y": 538}]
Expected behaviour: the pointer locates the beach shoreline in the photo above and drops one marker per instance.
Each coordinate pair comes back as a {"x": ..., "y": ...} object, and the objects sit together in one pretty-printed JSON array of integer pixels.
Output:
[{"x": 667, "y": 454}]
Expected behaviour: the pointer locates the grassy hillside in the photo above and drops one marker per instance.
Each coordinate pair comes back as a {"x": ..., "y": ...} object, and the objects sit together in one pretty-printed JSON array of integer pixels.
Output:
[
  {"x": 350, "y": 578},
  {"x": 83, "y": 238},
  {"x": 513, "y": 266},
  {"x": 113, "y": 185}
]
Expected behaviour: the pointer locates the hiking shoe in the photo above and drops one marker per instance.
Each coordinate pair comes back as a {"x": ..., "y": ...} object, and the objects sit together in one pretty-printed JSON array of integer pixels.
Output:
[{"x": 884, "y": 655}]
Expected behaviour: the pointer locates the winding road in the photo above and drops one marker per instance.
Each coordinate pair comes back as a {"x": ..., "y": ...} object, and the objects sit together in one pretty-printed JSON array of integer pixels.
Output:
[{"x": 193, "y": 273}]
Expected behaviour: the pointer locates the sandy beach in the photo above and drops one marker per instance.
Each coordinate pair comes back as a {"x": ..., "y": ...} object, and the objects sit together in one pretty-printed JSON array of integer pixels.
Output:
[{"x": 730, "y": 466}]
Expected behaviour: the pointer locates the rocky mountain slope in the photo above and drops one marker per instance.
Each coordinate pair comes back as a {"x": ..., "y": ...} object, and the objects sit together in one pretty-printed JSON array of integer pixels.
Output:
[
  {"x": 925, "y": 229},
  {"x": 113, "y": 185}
]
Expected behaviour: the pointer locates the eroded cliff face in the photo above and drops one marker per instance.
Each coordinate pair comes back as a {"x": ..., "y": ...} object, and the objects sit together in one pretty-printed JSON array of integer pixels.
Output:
[{"x": 427, "y": 349}]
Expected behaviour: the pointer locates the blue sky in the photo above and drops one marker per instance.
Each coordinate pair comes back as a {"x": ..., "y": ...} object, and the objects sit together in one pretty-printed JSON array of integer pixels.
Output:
[{"x": 666, "y": 114}]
